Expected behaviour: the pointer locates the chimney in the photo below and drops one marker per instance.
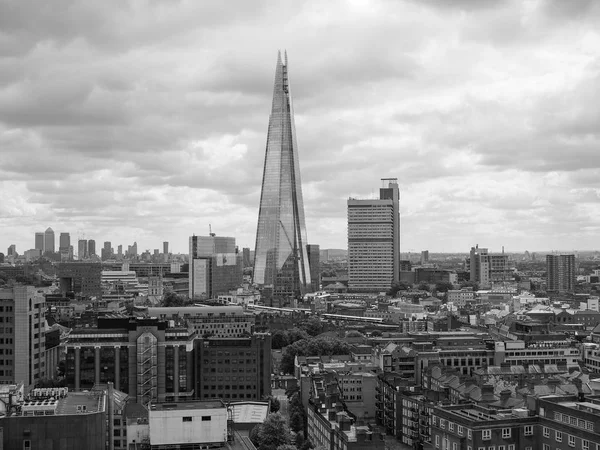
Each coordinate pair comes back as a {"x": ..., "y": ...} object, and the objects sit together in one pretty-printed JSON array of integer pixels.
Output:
[
  {"x": 505, "y": 395},
  {"x": 487, "y": 393}
]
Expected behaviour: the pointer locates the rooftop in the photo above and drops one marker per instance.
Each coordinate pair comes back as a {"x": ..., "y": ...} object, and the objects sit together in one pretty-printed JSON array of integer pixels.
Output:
[{"x": 200, "y": 404}]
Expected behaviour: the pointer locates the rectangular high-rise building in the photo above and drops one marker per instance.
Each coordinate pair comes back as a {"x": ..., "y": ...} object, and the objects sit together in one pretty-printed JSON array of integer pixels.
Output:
[
  {"x": 39, "y": 241},
  {"x": 165, "y": 248},
  {"x": 106, "y": 252},
  {"x": 64, "y": 246},
  {"x": 486, "y": 268},
  {"x": 91, "y": 248},
  {"x": 374, "y": 240},
  {"x": 314, "y": 262},
  {"x": 215, "y": 266},
  {"x": 560, "y": 273},
  {"x": 22, "y": 339},
  {"x": 82, "y": 249},
  {"x": 49, "y": 241}
]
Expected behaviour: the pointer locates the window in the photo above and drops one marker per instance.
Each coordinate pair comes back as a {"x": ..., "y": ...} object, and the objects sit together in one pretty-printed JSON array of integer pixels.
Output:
[
  {"x": 571, "y": 441},
  {"x": 26, "y": 444},
  {"x": 546, "y": 432},
  {"x": 585, "y": 445},
  {"x": 505, "y": 433},
  {"x": 511, "y": 447},
  {"x": 442, "y": 424},
  {"x": 558, "y": 436},
  {"x": 460, "y": 430},
  {"x": 528, "y": 430},
  {"x": 451, "y": 426},
  {"x": 454, "y": 446},
  {"x": 501, "y": 447},
  {"x": 206, "y": 418},
  {"x": 492, "y": 447},
  {"x": 545, "y": 447},
  {"x": 486, "y": 435},
  {"x": 437, "y": 441},
  {"x": 187, "y": 418},
  {"x": 469, "y": 434}
]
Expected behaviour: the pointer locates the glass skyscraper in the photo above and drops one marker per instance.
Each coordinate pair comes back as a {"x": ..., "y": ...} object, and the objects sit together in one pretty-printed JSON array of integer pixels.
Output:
[{"x": 280, "y": 259}]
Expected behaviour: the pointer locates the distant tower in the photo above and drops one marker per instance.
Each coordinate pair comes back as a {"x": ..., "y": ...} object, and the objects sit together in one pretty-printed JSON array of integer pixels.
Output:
[
  {"x": 39, "y": 241},
  {"x": 91, "y": 249},
  {"x": 82, "y": 249},
  {"x": 49, "y": 241},
  {"x": 64, "y": 246},
  {"x": 374, "y": 240},
  {"x": 165, "y": 248},
  {"x": 280, "y": 259},
  {"x": 560, "y": 273}
]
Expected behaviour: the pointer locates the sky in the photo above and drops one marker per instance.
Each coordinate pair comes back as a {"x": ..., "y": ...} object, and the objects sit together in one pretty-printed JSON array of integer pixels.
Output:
[{"x": 146, "y": 120}]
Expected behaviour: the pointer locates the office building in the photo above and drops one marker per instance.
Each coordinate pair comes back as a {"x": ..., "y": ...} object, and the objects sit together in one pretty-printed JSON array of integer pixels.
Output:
[
  {"x": 49, "y": 241},
  {"x": 560, "y": 273},
  {"x": 189, "y": 425},
  {"x": 280, "y": 259},
  {"x": 233, "y": 368},
  {"x": 217, "y": 321},
  {"x": 314, "y": 262},
  {"x": 53, "y": 419},
  {"x": 81, "y": 278},
  {"x": 424, "y": 256},
  {"x": 22, "y": 339},
  {"x": 120, "y": 251},
  {"x": 374, "y": 240},
  {"x": 39, "y": 241},
  {"x": 246, "y": 257},
  {"x": 82, "y": 249},
  {"x": 64, "y": 246},
  {"x": 91, "y": 248},
  {"x": 215, "y": 266},
  {"x": 106, "y": 252},
  {"x": 12, "y": 250},
  {"x": 145, "y": 358},
  {"x": 165, "y": 248}
]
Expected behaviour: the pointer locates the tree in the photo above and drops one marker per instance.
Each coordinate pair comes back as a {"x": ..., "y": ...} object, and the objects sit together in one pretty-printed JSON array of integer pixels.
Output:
[
  {"x": 275, "y": 404},
  {"x": 443, "y": 286},
  {"x": 376, "y": 333},
  {"x": 397, "y": 287},
  {"x": 313, "y": 326},
  {"x": 273, "y": 432},
  {"x": 423, "y": 286},
  {"x": 297, "y": 421},
  {"x": 279, "y": 339},
  {"x": 472, "y": 284},
  {"x": 172, "y": 299},
  {"x": 299, "y": 439},
  {"x": 354, "y": 334}
]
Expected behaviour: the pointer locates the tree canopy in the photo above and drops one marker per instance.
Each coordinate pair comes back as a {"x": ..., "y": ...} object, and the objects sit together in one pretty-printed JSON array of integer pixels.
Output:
[
  {"x": 311, "y": 347},
  {"x": 272, "y": 433}
]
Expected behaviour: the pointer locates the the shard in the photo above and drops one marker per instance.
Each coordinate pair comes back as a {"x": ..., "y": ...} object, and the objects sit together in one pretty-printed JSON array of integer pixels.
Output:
[{"x": 280, "y": 259}]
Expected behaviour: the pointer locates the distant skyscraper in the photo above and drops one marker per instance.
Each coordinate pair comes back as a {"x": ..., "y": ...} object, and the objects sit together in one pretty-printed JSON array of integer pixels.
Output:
[
  {"x": 64, "y": 242},
  {"x": 374, "y": 240},
  {"x": 485, "y": 268},
  {"x": 49, "y": 241},
  {"x": 560, "y": 273},
  {"x": 106, "y": 252},
  {"x": 120, "y": 250},
  {"x": 424, "y": 256},
  {"x": 12, "y": 250},
  {"x": 39, "y": 241},
  {"x": 166, "y": 248},
  {"x": 215, "y": 266},
  {"x": 280, "y": 259},
  {"x": 246, "y": 257},
  {"x": 82, "y": 249},
  {"x": 91, "y": 248}
]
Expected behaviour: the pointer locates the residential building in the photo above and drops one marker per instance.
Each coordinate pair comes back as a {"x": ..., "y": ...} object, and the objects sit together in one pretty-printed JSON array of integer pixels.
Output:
[
  {"x": 560, "y": 273},
  {"x": 281, "y": 261},
  {"x": 22, "y": 335},
  {"x": 374, "y": 240},
  {"x": 145, "y": 358},
  {"x": 486, "y": 268},
  {"x": 233, "y": 368},
  {"x": 215, "y": 266},
  {"x": 471, "y": 427}
]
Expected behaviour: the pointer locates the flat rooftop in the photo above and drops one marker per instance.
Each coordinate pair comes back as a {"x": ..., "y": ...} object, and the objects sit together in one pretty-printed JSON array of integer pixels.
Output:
[{"x": 186, "y": 406}]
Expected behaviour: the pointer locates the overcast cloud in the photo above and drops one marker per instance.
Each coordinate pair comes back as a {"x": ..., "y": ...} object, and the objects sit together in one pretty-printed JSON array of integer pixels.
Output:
[{"x": 146, "y": 120}]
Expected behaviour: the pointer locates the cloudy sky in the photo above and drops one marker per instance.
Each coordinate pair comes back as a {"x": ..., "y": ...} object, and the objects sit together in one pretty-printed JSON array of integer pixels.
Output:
[{"x": 146, "y": 120}]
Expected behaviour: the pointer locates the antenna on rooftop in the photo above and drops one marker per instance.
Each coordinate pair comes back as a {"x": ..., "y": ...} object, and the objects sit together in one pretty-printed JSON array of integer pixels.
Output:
[{"x": 210, "y": 233}]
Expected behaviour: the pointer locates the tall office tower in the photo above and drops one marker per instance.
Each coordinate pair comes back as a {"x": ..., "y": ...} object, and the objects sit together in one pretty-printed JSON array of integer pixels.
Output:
[
  {"x": 215, "y": 266},
  {"x": 49, "y": 241},
  {"x": 374, "y": 240},
  {"x": 314, "y": 261},
  {"x": 12, "y": 250},
  {"x": 39, "y": 241},
  {"x": 106, "y": 252},
  {"x": 91, "y": 248},
  {"x": 165, "y": 248},
  {"x": 424, "y": 256},
  {"x": 560, "y": 273},
  {"x": 82, "y": 249},
  {"x": 64, "y": 246},
  {"x": 486, "y": 268},
  {"x": 246, "y": 257},
  {"x": 22, "y": 339},
  {"x": 120, "y": 250},
  {"x": 280, "y": 259},
  {"x": 134, "y": 250}
]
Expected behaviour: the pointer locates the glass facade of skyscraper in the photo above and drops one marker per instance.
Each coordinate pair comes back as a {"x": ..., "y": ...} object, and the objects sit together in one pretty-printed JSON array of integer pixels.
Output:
[{"x": 280, "y": 259}]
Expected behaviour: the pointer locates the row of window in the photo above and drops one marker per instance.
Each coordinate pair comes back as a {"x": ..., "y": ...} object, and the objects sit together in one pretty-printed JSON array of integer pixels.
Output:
[
  {"x": 558, "y": 436},
  {"x": 486, "y": 435},
  {"x": 581, "y": 423}
]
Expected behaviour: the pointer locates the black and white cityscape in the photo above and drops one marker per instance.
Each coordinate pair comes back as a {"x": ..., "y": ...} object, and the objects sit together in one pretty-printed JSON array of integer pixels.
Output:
[{"x": 405, "y": 258}]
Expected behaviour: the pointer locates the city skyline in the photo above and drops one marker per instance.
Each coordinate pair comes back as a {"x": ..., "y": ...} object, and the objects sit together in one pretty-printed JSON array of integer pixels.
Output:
[{"x": 486, "y": 112}]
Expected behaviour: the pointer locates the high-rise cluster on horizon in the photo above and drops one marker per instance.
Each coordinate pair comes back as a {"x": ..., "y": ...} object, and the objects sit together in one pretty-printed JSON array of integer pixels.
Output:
[{"x": 281, "y": 259}]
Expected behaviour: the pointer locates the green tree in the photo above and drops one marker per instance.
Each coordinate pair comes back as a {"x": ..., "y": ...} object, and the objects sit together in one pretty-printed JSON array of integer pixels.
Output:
[
  {"x": 376, "y": 333},
  {"x": 299, "y": 439},
  {"x": 275, "y": 404},
  {"x": 423, "y": 286},
  {"x": 397, "y": 287},
  {"x": 443, "y": 286},
  {"x": 172, "y": 299},
  {"x": 313, "y": 326},
  {"x": 279, "y": 339}
]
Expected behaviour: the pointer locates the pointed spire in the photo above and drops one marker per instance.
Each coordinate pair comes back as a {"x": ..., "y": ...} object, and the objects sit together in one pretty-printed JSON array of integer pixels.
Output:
[
  {"x": 279, "y": 57},
  {"x": 285, "y": 57}
]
